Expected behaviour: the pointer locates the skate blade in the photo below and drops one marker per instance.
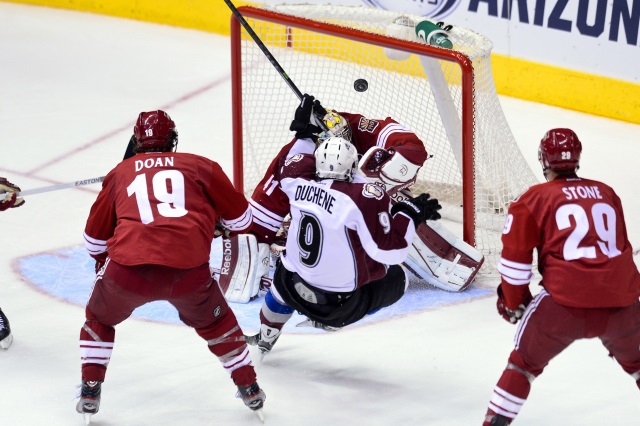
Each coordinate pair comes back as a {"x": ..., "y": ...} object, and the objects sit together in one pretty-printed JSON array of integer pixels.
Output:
[
  {"x": 260, "y": 414},
  {"x": 87, "y": 419}
]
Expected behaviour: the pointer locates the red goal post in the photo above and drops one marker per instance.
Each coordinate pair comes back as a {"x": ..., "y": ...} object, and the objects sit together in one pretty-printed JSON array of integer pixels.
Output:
[{"x": 447, "y": 97}]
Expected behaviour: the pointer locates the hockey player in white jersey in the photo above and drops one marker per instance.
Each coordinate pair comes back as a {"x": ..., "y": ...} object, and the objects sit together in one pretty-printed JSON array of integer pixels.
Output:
[
  {"x": 391, "y": 156},
  {"x": 344, "y": 246}
]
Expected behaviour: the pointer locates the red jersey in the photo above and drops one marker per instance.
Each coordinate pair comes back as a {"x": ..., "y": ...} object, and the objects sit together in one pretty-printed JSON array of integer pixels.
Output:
[
  {"x": 584, "y": 256},
  {"x": 161, "y": 209},
  {"x": 270, "y": 205}
]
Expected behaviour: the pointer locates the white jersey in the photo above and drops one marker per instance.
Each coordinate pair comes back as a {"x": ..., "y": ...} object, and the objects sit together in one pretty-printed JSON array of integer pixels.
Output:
[{"x": 342, "y": 235}]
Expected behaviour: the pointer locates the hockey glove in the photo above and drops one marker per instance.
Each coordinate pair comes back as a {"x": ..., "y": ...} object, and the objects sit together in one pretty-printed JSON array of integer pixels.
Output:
[
  {"x": 512, "y": 316},
  {"x": 304, "y": 122},
  {"x": 12, "y": 200},
  {"x": 420, "y": 208}
]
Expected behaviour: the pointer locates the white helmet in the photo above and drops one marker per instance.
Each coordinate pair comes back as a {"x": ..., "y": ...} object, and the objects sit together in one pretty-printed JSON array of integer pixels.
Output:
[{"x": 336, "y": 158}]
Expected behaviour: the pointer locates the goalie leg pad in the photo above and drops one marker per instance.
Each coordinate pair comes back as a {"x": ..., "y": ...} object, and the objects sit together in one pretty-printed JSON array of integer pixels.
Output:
[
  {"x": 244, "y": 263},
  {"x": 442, "y": 259}
]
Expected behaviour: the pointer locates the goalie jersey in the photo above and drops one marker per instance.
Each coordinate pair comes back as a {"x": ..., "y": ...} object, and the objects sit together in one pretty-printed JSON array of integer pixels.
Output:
[
  {"x": 341, "y": 234},
  {"x": 270, "y": 205}
]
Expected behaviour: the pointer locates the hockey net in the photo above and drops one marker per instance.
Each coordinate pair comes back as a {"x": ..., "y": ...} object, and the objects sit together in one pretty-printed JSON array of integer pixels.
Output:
[{"x": 447, "y": 97}]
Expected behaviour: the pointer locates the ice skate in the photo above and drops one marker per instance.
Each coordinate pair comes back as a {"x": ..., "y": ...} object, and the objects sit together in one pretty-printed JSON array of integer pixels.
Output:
[
  {"x": 265, "y": 339},
  {"x": 5, "y": 331},
  {"x": 253, "y": 397},
  {"x": 89, "y": 402},
  {"x": 499, "y": 420}
]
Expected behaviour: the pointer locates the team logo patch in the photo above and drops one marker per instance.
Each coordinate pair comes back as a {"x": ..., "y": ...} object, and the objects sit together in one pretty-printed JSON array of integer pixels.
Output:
[
  {"x": 216, "y": 311},
  {"x": 367, "y": 125},
  {"x": 294, "y": 159},
  {"x": 371, "y": 190}
]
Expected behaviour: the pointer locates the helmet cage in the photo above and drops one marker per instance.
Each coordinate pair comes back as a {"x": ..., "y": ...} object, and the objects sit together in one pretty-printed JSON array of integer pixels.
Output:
[{"x": 336, "y": 125}]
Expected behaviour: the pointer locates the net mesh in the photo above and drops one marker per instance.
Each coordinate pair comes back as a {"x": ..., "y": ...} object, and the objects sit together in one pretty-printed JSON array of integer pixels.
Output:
[{"x": 422, "y": 93}]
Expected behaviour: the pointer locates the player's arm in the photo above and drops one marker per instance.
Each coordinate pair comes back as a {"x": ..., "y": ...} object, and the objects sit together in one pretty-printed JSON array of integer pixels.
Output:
[
  {"x": 387, "y": 236},
  {"x": 520, "y": 236},
  {"x": 101, "y": 223},
  {"x": 231, "y": 205}
]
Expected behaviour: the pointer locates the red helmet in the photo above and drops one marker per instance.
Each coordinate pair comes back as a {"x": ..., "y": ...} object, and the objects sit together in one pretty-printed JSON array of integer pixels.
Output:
[
  {"x": 155, "y": 131},
  {"x": 560, "y": 150}
]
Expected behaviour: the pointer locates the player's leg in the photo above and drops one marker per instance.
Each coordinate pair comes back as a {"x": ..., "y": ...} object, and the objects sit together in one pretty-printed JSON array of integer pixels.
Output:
[
  {"x": 273, "y": 315},
  {"x": 544, "y": 331},
  {"x": 622, "y": 339},
  {"x": 108, "y": 305},
  {"x": 381, "y": 293},
  {"x": 205, "y": 309},
  {"x": 365, "y": 300}
]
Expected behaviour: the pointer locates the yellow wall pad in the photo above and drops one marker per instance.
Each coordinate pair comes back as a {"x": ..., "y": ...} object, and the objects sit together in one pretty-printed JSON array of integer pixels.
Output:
[
  {"x": 206, "y": 15},
  {"x": 513, "y": 77},
  {"x": 568, "y": 89}
]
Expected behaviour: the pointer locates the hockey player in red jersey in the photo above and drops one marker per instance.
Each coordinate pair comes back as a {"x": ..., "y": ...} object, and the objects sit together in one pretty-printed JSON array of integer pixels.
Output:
[
  {"x": 590, "y": 283},
  {"x": 391, "y": 156},
  {"x": 11, "y": 201},
  {"x": 150, "y": 231},
  {"x": 344, "y": 246}
]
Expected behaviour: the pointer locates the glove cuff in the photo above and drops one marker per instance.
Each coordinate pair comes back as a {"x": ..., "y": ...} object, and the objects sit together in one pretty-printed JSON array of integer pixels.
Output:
[{"x": 409, "y": 209}]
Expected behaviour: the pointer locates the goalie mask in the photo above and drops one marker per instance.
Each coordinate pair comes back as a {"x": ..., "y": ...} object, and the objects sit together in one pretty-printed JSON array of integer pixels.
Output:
[
  {"x": 336, "y": 158},
  {"x": 337, "y": 126},
  {"x": 560, "y": 150},
  {"x": 155, "y": 131}
]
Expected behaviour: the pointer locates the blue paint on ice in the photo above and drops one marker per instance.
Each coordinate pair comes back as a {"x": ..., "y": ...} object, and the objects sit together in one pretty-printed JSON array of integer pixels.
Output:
[{"x": 68, "y": 274}]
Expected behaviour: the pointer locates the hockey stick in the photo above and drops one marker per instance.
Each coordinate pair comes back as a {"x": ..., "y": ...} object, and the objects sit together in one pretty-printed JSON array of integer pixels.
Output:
[
  {"x": 271, "y": 58},
  {"x": 57, "y": 187},
  {"x": 264, "y": 49}
]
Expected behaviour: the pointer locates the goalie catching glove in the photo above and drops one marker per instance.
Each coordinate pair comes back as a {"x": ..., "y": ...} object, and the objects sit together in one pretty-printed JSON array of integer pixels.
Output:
[{"x": 388, "y": 168}]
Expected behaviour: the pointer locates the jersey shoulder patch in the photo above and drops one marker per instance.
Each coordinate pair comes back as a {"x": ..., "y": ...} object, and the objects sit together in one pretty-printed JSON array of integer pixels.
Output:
[
  {"x": 294, "y": 159},
  {"x": 371, "y": 190},
  {"x": 367, "y": 125}
]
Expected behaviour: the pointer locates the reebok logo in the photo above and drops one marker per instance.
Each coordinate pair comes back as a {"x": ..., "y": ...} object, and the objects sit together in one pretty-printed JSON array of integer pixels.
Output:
[{"x": 226, "y": 257}]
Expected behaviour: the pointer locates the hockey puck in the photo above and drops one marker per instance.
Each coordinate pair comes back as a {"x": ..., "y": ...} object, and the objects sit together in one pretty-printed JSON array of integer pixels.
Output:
[{"x": 360, "y": 85}]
